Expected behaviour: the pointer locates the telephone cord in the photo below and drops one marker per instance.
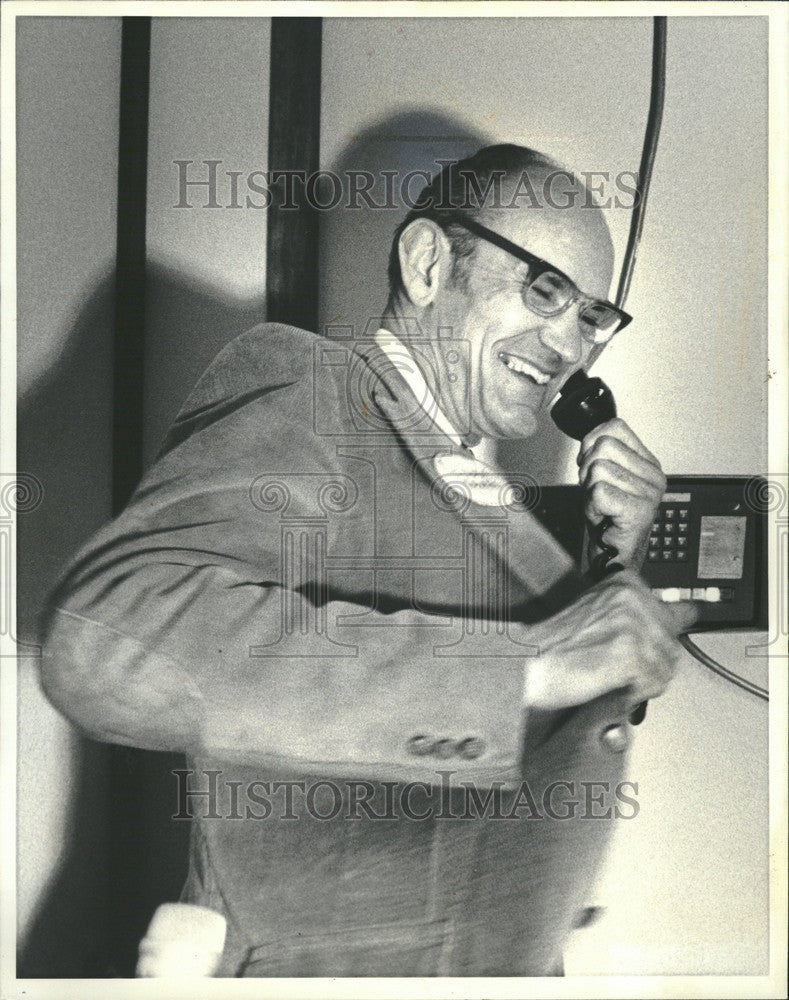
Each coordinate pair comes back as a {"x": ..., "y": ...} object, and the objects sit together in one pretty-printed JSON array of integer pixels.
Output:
[{"x": 718, "y": 668}]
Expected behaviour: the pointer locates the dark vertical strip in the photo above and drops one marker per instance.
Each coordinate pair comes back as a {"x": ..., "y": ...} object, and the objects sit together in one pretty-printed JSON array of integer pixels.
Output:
[
  {"x": 130, "y": 258},
  {"x": 294, "y": 141},
  {"x": 657, "y": 98},
  {"x": 129, "y": 909}
]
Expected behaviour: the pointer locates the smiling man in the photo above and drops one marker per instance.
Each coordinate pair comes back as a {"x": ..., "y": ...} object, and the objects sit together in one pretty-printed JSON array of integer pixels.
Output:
[
  {"x": 399, "y": 697},
  {"x": 518, "y": 264}
]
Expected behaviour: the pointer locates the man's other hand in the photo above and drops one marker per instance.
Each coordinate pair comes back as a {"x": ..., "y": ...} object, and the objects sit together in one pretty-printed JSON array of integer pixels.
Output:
[
  {"x": 624, "y": 481},
  {"x": 616, "y": 635}
]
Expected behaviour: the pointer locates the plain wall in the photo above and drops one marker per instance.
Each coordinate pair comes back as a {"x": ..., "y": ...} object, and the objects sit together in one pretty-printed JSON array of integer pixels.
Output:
[
  {"x": 685, "y": 885},
  {"x": 67, "y": 139}
]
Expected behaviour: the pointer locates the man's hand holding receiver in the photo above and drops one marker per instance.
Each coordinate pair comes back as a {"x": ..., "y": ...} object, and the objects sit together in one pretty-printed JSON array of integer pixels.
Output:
[{"x": 624, "y": 481}]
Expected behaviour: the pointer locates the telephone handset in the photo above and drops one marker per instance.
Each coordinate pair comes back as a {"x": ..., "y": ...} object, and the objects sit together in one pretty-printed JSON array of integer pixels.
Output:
[{"x": 583, "y": 404}]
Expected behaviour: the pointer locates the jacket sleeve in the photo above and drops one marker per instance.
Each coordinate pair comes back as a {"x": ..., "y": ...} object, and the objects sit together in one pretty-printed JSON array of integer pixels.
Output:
[
  {"x": 218, "y": 677},
  {"x": 174, "y": 629}
]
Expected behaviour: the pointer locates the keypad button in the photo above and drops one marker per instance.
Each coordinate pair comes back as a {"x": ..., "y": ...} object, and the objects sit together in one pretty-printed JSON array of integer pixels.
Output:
[
  {"x": 682, "y": 542},
  {"x": 669, "y": 514},
  {"x": 653, "y": 555},
  {"x": 656, "y": 526},
  {"x": 654, "y": 542},
  {"x": 683, "y": 513},
  {"x": 669, "y": 529},
  {"x": 668, "y": 555},
  {"x": 682, "y": 527},
  {"x": 682, "y": 555}
]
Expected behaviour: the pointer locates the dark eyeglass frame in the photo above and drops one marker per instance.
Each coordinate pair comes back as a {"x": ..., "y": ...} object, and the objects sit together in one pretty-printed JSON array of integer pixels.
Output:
[{"x": 538, "y": 267}]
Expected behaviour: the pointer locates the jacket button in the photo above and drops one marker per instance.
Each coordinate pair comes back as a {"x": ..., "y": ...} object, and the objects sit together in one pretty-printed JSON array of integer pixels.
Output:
[
  {"x": 471, "y": 748},
  {"x": 615, "y": 738},
  {"x": 420, "y": 746},
  {"x": 444, "y": 748}
]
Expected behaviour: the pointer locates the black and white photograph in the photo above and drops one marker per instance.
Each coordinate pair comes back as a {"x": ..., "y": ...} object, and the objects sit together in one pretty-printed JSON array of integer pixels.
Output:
[{"x": 393, "y": 499}]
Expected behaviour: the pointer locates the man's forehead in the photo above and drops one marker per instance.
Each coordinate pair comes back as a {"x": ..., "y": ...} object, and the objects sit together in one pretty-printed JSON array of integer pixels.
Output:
[{"x": 570, "y": 233}]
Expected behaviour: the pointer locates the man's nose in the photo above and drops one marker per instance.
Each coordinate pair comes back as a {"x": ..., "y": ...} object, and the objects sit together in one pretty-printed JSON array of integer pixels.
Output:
[{"x": 562, "y": 335}]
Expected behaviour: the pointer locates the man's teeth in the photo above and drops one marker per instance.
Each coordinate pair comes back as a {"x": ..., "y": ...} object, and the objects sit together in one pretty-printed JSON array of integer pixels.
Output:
[{"x": 524, "y": 368}]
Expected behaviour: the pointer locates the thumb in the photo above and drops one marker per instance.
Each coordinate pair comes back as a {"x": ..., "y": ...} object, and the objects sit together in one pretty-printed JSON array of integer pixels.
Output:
[{"x": 682, "y": 615}]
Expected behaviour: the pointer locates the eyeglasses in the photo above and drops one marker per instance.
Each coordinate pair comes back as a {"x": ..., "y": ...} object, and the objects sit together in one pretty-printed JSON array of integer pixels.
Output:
[{"x": 547, "y": 291}]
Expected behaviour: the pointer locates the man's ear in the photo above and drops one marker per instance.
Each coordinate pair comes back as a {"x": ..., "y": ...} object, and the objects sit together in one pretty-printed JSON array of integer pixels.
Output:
[{"x": 422, "y": 245}]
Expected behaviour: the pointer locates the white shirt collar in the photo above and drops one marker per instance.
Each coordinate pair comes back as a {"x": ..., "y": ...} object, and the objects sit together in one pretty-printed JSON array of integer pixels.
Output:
[{"x": 397, "y": 352}]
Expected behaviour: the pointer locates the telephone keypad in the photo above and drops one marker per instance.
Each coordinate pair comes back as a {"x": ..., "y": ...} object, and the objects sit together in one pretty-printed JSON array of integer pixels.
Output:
[
  {"x": 669, "y": 535},
  {"x": 682, "y": 562}
]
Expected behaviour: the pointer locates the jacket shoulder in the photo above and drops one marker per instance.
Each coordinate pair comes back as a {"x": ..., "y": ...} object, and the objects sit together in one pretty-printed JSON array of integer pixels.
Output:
[
  {"x": 270, "y": 359},
  {"x": 266, "y": 354}
]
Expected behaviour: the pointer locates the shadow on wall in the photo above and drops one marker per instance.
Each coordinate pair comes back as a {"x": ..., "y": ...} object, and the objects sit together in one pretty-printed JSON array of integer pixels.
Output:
[
  {"x": 97, "y": 849},
  {"x": 63, "y": 439},
  {"x": 355, "y": 241},
  {"x": 187, "y": 323}
]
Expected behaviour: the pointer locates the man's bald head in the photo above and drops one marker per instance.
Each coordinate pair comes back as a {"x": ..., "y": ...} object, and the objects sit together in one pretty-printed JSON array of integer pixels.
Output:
[{"x": 492, "y": 185}]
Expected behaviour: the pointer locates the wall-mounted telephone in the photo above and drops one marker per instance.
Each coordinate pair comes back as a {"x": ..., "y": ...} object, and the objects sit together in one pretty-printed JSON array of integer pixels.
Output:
[
  {"x": 708, "y": 544},
  {"x": 708, "y": 540}
]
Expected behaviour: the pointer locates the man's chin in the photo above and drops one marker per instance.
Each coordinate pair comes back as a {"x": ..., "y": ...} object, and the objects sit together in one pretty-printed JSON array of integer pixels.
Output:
[{"x": 514, "y": 429}]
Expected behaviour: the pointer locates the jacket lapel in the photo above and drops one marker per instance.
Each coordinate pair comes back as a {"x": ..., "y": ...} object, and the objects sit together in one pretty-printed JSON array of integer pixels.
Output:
[{"x": 476, "y": 494}]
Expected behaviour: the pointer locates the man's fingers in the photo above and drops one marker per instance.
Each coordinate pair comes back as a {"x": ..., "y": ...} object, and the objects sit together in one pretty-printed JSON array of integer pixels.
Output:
[
  {"x": 614, "y": 451},
  {"x": 603, "y": 470},
  {"x": 617, "y": 428},
  {"x": 615, "y": 636},
  {"x": 630, "y": 513}
]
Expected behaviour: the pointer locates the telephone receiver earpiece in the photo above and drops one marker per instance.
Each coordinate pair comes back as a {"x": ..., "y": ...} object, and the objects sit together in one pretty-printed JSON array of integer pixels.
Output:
[{"x": 583, "y": 404}]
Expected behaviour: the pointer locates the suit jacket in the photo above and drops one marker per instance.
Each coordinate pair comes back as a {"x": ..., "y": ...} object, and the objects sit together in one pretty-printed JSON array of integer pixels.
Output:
[{"x": 297, "y": 601}]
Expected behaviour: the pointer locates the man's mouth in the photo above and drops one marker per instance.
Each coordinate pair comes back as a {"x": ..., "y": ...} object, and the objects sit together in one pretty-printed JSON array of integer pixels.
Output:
[{"x": 525, "y": 368}]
